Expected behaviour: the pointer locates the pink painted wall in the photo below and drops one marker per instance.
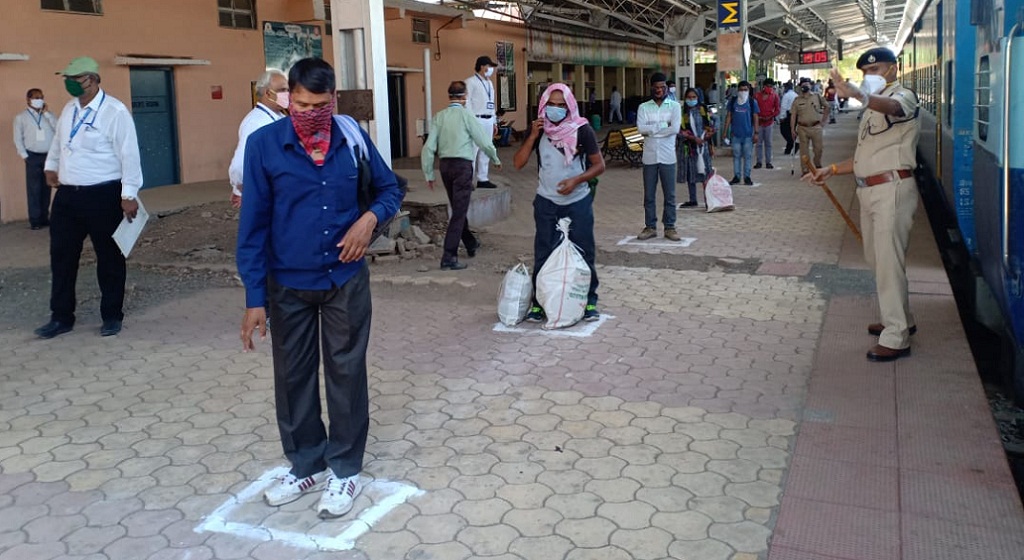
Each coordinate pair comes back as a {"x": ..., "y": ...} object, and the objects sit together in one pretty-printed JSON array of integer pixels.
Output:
[
  {"x": 208, "y": 128},
  {"x": 460, "y": 47}
]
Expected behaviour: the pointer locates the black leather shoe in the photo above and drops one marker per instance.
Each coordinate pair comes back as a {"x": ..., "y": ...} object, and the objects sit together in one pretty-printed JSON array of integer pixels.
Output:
[
  {"x": 735, "y": 180},
  {"x": 486, "y": 185},
  {"x": 747, "y": 181},
  {"x": 757, "y": 165},
  {"x": 876, "y": 329},
  {"x": 689, "y": 204},
  {"x": 52, "y": 329},
  {"x": 769, "y": 166},
  {"x": 110, "y": 328},
  {"x": 471, "y": 250},
  {"x": 879, "y": 353},
  {"x": 454, "y": 265}
]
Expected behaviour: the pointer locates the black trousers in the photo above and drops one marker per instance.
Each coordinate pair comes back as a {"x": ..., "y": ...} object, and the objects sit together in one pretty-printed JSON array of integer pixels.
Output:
[
  {"x": 93, "y": 211},
  {"x": 338, "y": 321},
  {"x": 457, "y": 175},
  {"x": 787, "y": 132},
  {"x": 37, "y": 191}
]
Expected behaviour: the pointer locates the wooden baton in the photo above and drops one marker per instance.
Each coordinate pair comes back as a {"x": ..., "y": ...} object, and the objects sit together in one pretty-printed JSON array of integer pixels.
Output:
[{"x": 842, "y": 211}]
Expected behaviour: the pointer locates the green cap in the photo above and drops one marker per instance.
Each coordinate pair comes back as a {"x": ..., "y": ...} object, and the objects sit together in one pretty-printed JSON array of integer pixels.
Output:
[{"x": 81, "y": 65}]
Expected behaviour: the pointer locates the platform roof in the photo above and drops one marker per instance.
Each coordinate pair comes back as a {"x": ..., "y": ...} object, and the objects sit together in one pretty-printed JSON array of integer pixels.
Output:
[{"x": 778, "y": 29}]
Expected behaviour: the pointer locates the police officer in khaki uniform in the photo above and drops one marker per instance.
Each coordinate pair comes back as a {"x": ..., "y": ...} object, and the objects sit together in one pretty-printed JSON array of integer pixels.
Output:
[
  {"x": 883, "y": 165},
  {"x": 808, "y": 115}
]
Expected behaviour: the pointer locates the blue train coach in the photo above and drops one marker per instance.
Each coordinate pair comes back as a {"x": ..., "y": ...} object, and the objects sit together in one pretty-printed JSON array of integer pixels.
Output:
[{"x": 966, "y": 61}]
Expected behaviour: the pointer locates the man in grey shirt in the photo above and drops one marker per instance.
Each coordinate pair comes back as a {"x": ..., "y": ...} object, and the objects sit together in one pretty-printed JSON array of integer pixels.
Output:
[{"x": 33, "y": 133}]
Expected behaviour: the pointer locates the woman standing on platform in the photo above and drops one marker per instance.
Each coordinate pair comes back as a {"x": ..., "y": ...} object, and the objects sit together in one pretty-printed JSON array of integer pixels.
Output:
[{"x": 694, "y": 152}]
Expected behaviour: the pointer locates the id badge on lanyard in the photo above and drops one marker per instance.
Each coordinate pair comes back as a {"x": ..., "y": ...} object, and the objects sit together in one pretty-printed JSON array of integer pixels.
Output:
[
  {"x": 77, "y": 123},
  {"x": 40, "y": 133},
  {"x": 490, "y": 93}
]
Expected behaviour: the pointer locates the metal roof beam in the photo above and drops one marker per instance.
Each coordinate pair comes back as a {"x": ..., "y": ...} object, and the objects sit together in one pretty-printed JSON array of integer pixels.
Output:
[
  {"x": 651, "y": 32},
  {"x": 574, "y": 23}
]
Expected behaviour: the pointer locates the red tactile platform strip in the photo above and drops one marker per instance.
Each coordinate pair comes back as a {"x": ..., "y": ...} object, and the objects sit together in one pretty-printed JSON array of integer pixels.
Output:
[
  {"x": 837, "y": 530},
  {"x": 901, "y": 460},
  {"x": 784, "y": 269}
]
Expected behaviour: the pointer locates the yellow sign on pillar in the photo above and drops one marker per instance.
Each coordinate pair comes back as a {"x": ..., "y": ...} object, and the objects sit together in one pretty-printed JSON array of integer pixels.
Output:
[{"x": 728, "y": 14}]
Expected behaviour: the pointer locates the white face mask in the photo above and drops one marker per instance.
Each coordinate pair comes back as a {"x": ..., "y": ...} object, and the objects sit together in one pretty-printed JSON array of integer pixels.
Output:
[
  {"x": 37, "y": 103},
  {"x": 742, "y": 97},
  {"x": 283, "y": 98},
  {"x": 872, "y": 84},
  {"x": 489, "y": 72}
]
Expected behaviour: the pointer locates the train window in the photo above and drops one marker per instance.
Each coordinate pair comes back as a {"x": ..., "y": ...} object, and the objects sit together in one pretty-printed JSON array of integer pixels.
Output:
[
  {"x": 984, "y": 97},
  {"x": 947, "y": 98}
]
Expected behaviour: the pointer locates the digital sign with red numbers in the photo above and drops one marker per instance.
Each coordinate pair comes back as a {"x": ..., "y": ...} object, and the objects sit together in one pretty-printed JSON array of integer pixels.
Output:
[{"x": 814, "y": 57}]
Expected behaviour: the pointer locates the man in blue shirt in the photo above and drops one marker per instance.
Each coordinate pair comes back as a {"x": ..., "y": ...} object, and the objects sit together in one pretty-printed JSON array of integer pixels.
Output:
[
  {"x": 739, "y": 120},
  {"x": 301, "y": 241}
]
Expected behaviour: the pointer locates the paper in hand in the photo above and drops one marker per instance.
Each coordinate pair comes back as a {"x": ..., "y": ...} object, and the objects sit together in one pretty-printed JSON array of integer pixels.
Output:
[{"x": 127, "y": 233}]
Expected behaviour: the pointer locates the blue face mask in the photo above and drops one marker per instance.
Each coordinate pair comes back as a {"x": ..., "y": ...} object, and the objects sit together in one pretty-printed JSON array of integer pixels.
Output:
[
  {"x": 555, "y": 114},
  {"x": 691, "y": 102}
]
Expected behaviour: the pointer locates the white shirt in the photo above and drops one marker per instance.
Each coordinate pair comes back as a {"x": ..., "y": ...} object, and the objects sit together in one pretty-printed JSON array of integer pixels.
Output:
[
  {"x": 33, "y": 132},
  {"x": 616, "y": 99},
  {"x": 480, "y": 96},
  {"x": 260, "y": 116},
  {"x": 104, "y": 148},
  {"x": 787, "y": 101},
  {"x": 660, "y": 124}
]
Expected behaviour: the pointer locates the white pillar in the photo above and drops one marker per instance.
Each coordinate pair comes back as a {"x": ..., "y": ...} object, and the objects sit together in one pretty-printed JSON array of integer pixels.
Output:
[
  {"x": 361, "y": 61},
  {"x": 426, "y": 89},
  {"x": 685, "y": 69}
]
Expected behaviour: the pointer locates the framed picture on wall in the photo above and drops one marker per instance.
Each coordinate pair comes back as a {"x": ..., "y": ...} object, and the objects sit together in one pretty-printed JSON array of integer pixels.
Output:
[{"x": 506, "y": 75}]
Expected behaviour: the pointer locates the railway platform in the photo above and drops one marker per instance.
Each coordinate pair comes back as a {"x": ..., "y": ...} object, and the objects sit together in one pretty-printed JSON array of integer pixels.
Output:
[{"x": 722, "y": 409}]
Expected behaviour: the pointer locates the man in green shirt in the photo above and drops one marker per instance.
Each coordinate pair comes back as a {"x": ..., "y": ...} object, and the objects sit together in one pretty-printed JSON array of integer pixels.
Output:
[{"x": 454, "y": 136}]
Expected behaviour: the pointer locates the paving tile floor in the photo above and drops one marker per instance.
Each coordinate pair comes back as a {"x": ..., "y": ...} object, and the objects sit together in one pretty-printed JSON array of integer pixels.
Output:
[{"x": 670, "y": 432}]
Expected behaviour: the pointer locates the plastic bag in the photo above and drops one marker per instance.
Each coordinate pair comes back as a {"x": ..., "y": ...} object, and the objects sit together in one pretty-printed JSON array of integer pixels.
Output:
[
  {"x": 515, "y": 295},
  {"x": 563, "y": 282},
  {"x": 718, "y": 194}
]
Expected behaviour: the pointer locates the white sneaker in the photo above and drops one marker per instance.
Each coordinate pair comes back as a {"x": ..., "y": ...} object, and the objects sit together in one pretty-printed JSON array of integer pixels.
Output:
[
  {"x": 339, "y": 496},
  {"x": 288, "y": 488}
]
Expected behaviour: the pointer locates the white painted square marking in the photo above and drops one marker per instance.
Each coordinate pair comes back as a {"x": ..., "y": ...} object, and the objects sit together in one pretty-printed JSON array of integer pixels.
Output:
[
  {"x": 579, "y": 330},
  {"x": 632, "y": 240},
  {"x": 387, "y": 496}
]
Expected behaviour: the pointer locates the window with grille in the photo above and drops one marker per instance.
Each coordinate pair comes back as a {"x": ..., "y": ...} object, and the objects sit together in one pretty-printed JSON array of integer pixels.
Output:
[
  {"x": 80, "y": 6},
  {"x": 421, "y": 31},
  {"x": 983, "y": 91},
  {"x": 237, "y": 14}
]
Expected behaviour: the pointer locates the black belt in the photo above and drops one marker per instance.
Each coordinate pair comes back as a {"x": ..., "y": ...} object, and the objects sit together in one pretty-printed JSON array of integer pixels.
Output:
[
  {"x": 94, "y": 186},
  {"x": 484, "y": 116},
  {"x": 30, "y": 152}
]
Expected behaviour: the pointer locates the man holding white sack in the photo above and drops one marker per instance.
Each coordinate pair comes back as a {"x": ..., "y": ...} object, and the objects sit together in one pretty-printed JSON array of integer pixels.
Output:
[{"x": 561, "y": 139}]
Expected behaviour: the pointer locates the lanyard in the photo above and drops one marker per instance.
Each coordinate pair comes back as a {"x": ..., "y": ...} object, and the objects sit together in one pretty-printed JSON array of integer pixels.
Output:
[
  {"x": 36, "y": 117},
  {"x": 486, "y": 84},
  {"x": 268, "y": 113},
  {"x": 85, "y": 115}
]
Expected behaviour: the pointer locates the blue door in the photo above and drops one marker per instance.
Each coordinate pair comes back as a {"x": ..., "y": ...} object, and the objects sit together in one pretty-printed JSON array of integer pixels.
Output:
[{"x": 157, "y": 126}]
